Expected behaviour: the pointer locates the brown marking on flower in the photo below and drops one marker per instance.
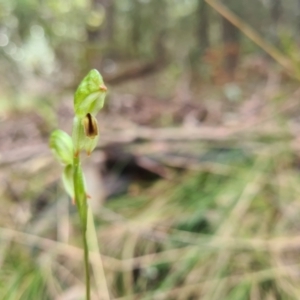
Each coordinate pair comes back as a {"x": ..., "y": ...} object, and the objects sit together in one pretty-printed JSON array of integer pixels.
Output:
[{"x": 90, "y": 126}]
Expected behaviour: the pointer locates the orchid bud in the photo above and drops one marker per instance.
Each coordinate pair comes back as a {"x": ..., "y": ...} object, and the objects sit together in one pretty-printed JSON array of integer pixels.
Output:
[
  {"x": 90, "y": 95},
  {"x": 62, "y": 146}
]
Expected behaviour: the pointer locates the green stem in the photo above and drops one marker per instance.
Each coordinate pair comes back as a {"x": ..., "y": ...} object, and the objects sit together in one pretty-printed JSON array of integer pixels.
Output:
[
  {"x": 87, "y": 268},
  {"x": 80, "y": 200}
]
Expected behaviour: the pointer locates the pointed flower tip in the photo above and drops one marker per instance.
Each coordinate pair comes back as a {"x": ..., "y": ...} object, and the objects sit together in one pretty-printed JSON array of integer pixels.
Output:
[{"x": 102, "y": 88}]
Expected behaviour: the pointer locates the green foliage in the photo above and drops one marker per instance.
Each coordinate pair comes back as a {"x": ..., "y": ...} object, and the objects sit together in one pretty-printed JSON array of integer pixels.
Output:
[
  {"x": 62, "y": 146},
  {"x": 88, "y": 100}
]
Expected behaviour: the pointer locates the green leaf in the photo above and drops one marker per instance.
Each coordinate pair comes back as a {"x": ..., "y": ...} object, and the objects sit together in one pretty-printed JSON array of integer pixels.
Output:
[
  {"x": 67, "y": 179},
  {"x": 79, "y": 190},
  {"x": 90, "y": 95},
  {"x": 62, "y": 146}
]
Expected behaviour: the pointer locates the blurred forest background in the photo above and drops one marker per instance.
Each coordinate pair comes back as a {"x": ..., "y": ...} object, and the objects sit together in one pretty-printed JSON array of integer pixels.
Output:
[{"x": 195, "y": 183}]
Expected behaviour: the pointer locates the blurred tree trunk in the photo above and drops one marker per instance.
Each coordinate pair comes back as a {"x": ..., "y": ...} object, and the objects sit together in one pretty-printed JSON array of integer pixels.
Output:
[
  {"x": 109, "y": 28},
  {"x": 276, "y": 10},
  {"x": 160, "y": 22},
  {"x": 298, "y": 14},
  {"x": 104, "y": 32},
  {"x": 100, "y": 36},
  {"x": 231, "y": 42},
  {"x": 203, "y": 25},
  {"x": 94, "y": 34},
  {"x": 135, "y": 27},
  {"x": 197, "y": 55}
]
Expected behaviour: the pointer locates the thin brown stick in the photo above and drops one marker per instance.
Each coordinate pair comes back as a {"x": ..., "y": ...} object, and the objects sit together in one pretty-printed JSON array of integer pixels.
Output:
[{"x": 284, "y": 61}]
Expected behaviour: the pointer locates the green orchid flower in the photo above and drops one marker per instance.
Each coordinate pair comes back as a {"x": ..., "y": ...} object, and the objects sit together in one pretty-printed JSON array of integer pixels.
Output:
[{"x": 89, "y": 99}]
